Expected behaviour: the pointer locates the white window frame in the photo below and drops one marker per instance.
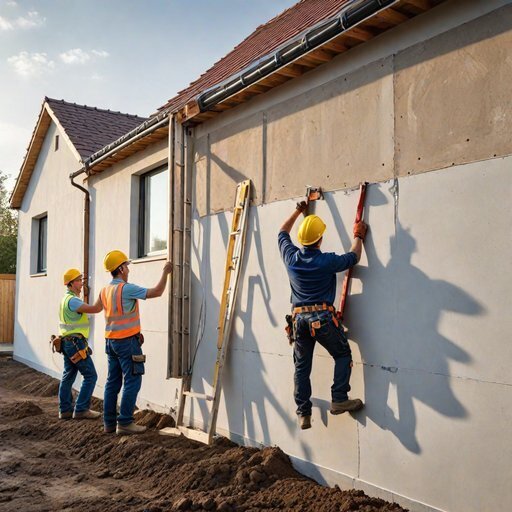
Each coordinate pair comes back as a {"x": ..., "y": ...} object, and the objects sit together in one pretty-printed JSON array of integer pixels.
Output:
[{"x": 144, "y": 229}]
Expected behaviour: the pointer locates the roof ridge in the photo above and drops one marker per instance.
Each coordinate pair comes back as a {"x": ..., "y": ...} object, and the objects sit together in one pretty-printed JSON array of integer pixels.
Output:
[{"x": 88, "y": 107}]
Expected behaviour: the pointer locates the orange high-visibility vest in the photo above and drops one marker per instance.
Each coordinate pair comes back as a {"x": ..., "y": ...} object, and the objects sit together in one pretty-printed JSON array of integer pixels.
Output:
[{"x": 118, "y": 323}]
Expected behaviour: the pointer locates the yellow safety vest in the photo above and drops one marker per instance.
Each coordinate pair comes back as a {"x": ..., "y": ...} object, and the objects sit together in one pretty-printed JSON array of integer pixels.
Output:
[{"x": 72, "y": 322}]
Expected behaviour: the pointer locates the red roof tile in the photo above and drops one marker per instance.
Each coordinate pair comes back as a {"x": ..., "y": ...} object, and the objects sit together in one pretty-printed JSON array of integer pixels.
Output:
[
  {"x": 265, "y": 39},
  {"x": 90, "y": 128}
]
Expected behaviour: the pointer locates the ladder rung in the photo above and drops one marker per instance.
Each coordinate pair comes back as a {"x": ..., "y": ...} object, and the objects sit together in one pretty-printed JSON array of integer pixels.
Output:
[{"x": 202, "y": 396}]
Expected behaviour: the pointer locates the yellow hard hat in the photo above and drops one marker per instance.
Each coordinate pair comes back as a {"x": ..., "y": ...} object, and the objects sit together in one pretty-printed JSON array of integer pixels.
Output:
[
  {"x": 113, "y": 259},
  {"x": 70, "y": 275},
  {"x": 311, "y": 230}
]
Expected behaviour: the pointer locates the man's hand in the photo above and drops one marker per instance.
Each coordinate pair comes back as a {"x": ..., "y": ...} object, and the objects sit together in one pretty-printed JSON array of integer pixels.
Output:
[
  {"x": 302, "y": 206},
  {"x": 290, "y": 221},
  {"x": 167, "y": 268},
  {"x": 360, "y": 230}
]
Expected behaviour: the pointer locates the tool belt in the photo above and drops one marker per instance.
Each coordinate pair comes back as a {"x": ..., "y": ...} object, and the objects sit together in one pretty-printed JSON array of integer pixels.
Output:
[
  {"x": 290, "y": 319},
  {"x": 311, "y": 309},
  {"x": 80, "y": 354}
]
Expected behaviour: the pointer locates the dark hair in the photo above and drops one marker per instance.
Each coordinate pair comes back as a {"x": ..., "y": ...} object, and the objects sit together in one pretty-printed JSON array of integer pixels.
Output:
[
  {"x": 315, "y": 244},
  {"x": 117, "y": 271}
]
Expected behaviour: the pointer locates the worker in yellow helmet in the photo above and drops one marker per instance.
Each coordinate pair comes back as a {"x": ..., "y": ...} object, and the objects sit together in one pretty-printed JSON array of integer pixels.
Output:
[
  {"x": 312, "y": 275},
  {"x": 74, "y": 333},
  {"x": 123, "y": 341}
]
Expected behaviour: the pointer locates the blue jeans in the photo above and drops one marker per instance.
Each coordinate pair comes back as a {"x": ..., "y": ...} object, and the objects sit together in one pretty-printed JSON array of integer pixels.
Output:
[
  {"x": 332, "y": 338},
  {"x": 88, "y": 372},
  {"x": 122, "y": 371}
]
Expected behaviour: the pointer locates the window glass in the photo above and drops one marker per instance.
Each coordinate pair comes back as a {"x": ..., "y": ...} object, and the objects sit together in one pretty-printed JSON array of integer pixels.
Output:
[
  {"x": 154, "y": 210},
  {"x": 41, "y": 244}
]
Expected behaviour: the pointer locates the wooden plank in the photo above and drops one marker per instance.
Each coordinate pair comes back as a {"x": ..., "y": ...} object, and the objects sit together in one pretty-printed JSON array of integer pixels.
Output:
[
  {"x": 336, "y": 46},
  {"x": 202, "y": 396},
  {"x": 423, "y": 5},
  {"x": 292, "y": 70},
  {"x": 7, "y": 292},
  {"x": 190, "y": 433},
  {"x": 170, "y": 431},
  {"x": 303, "y": 61},
  {"x": 360, "y": 33},
  {"x": 391, "y": 16},
  {"x": 321, "y": 55}
]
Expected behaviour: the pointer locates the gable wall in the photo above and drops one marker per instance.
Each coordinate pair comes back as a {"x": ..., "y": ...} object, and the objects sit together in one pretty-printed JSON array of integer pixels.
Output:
[{"x": 37, "y": 298}]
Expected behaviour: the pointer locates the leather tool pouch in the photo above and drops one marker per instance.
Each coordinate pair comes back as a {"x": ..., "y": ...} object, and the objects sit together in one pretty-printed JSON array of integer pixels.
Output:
[
  {"x": 138, "y": 361},
  {"x": 141, "y": 338},
  {"x": 78, "y": 356},
  {"x": 56, "y": 343},
  {"x": 313, "y": 326},
  {"x": 289, "y": 329},
  {"x": 81, "y": 353}
]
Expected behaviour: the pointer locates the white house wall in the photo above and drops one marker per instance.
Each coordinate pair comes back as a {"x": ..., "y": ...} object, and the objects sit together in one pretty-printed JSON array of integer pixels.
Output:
[
  {"x": 114, "y": 225},
  {"x": 38, "y": 298},
  {"x": 429, "y": 316}
]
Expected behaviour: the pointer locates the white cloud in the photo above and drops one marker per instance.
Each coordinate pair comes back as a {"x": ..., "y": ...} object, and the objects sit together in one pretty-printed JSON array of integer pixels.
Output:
[
  {"x": 5, "y": 24},
  {"x": 11, "y": 3},
  {"x": 31, "y": 20},
  {"x": 79, "y": 56},
  {"x": 75, "y": 56},
  {"x": 30, "y": 64},
  {"x": 100, "y": 53}
]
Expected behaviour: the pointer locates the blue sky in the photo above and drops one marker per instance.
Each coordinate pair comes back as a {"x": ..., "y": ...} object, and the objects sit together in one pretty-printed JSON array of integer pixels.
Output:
[{"x": 125, "y": 55}]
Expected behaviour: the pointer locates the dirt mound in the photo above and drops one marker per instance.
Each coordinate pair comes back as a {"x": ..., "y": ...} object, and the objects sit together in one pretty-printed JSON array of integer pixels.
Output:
[
  {"x": 152, "y": 419},
  {"x": 20, "y": 410},
  {"x": 29, "y": 381},
  {"x": 146, "y": 473}
]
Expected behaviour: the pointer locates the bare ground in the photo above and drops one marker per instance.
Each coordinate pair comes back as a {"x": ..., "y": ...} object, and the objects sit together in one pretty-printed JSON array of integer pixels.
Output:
[{"x": 52, "y": 465}]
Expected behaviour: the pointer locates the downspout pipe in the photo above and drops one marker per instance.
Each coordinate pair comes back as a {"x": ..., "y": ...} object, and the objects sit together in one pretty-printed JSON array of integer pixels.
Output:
[
  {"x": 87, "y": 216},
  {"x": 353, "y": 14}
]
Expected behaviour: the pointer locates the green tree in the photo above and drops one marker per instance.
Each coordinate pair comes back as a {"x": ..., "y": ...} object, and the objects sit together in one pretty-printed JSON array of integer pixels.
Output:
[{"x": 8, "y": 231}]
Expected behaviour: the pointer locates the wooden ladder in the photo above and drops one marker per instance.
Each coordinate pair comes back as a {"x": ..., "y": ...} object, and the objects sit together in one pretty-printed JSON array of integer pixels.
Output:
[{"x": 234, "y": 259}]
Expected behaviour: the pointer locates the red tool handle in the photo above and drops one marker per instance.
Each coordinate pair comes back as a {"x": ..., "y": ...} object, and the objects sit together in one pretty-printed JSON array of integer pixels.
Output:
[{"x": 348, "y": 275}]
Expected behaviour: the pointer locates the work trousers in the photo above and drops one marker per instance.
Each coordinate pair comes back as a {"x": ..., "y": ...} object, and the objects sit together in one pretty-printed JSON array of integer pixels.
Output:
[
  {"x": 310, "y": 328},
  {"x": 86, "y": 369},
  {"x": 122, "y": 372}
]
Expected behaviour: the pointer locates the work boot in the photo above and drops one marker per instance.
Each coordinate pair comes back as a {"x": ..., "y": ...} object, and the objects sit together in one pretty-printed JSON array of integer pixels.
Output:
[
  {"x": 86, "y": 415},
  {"x": 305, "y": 422},
  {"x": 109, "y": 429},
  {"x": 65, "y": 415},
  {"x": 346, "y": 406},
  {"x": 131, "y": 428}
]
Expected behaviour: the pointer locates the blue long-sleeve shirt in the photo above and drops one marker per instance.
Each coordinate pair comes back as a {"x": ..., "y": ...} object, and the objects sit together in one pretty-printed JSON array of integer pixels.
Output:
[{"x": 312, "y": 272}]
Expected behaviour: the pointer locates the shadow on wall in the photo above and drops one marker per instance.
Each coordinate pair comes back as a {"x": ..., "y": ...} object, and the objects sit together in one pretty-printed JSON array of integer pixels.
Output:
[
  {"x": 208, "y": 321},
  {"x": 398, "y": 334}
]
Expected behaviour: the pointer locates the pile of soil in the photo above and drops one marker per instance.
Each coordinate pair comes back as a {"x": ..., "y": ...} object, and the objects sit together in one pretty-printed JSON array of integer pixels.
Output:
[{"x": 47, "y": 464}]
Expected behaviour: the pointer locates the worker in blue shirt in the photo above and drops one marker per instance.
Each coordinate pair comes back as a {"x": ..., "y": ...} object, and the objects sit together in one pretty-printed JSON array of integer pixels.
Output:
[
  {"x": 312, "y": 275},
  {"x": 123, "y": 342}
]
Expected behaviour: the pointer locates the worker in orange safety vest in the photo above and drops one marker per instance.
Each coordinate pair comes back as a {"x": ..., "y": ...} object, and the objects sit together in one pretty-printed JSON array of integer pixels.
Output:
[{"x": 123, "y": 341}]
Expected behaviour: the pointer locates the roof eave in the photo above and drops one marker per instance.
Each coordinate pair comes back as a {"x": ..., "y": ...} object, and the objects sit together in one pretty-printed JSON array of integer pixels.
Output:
[
  {"x": 393, "y": 14},
  {"x": 44, "y": 121}
]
